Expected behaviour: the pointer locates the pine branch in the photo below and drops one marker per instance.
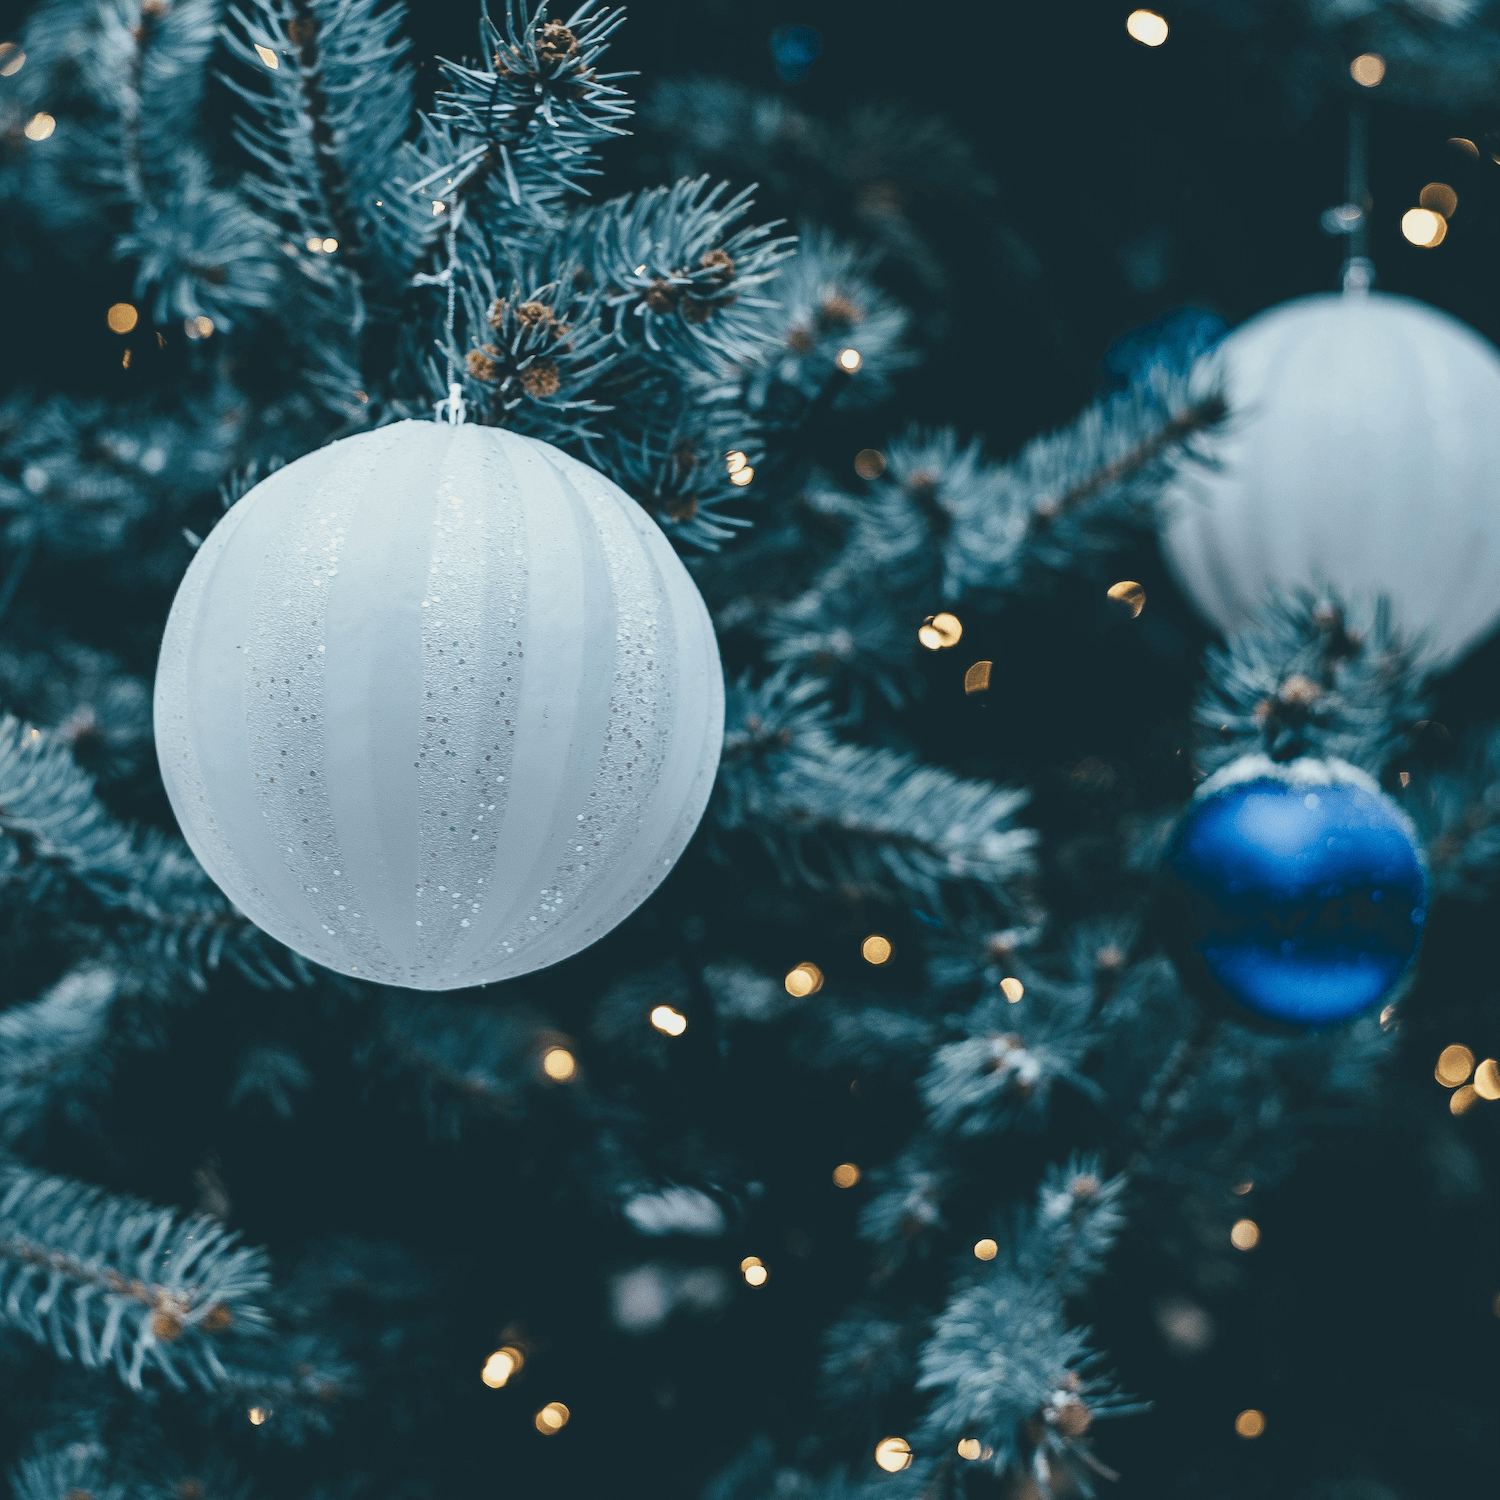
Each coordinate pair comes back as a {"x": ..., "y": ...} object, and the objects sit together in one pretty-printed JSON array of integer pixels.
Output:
[{"x": 115, "y": 1283}]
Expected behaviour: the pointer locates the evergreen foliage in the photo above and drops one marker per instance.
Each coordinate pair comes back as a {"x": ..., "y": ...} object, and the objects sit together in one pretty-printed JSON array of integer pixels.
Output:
[{"x": 327, "y": 244}]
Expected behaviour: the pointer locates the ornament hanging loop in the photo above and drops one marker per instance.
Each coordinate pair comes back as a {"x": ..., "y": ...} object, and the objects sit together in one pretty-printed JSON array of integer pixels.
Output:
[{"x": 452, "y": 408}]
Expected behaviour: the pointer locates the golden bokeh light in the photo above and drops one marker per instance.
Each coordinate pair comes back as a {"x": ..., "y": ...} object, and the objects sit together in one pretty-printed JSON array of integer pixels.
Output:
[
  {"x": 846, "y": 1174},
  {"x": 1367, "y": 69},
  {"x": 559, "y": 1064},
  {"x": 750, "y": 1260},
  {"x": 501, "y": 1365},
  {"x": 893, "y": 1454},
  {"x": 1245, "y": 1235},
  {"x": 259, "y": 1415},
  {"x": 1487, "y": 1079},
  {"x": 268, "y": 57},
  {"x": 1460, "y": 1101},
  {"x": 1464, "y": 144},
  {"x": 850, "y": 360},
  {"x": 1440, "y": 198},
  {"x": 12, "y": 59},
  {"x": 742, "y": 477},
  {"x": 977, "y": 678},
  {"x": 969, "y": 1448},
  {"x": 122, "y": 317},
  {"x": 1012, "y": 988},
  {"x": 39, "y": 126},
  {"x": 1148, "y": 28},
  {"x": 553, "y": 1417},
  {"x": 1241, "y": 1188},
  {"x": 869, "y": 463},
  {"x": 734, "y": 461},
  {"x": 1454, "y": 1065},
  {"x": 755, "y": 1275},
  {"x": 1128, "y": 594},
  {"x": 1250, "y": 1423},
  {"x": 668, "y": 1020},
  {"x": 805, "y": 979},
  {"x": 986, "y": 1250},
  {"x": 199, "y": 327},
  {"x": 1424, "y": 228},
  {"x": 329, "y": 246},
  {"x": 938, "y": 632},
  {"x": 876, "y": 949}
]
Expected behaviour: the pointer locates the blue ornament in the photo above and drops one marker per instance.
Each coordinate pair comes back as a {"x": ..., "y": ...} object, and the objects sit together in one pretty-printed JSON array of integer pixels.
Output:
[{"x": 1296, "y": 892}]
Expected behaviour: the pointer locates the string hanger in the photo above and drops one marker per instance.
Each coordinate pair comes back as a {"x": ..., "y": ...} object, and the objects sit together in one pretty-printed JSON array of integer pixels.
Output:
[
  {"x": 1359, "y": 269},
  {"x": 452, "y": 408}
]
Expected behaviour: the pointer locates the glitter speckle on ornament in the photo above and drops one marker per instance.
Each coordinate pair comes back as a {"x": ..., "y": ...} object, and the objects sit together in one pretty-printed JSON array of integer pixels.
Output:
[
  {"x": 1296, "y": 892},
  {"x": 438, "y": 705}
]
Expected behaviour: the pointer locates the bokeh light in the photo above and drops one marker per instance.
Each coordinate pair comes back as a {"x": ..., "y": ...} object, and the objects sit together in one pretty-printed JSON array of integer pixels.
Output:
[
  {"x": 1454, "y": 1065},
  {"x": 1250, "y": 1423},
  {"x": 1245, "y": 1235},
  {"x": 669, "y": 1020},
  {"x": 1422, "y": 227},
  {"x": 559, "y": 1064},
  {"x": 1148, "y": 28},
  {"x": 893, "y": 1454},
  {"x": 876, "y": 949},
  {"x": 846, "y": 1174},
  {"x": 122, "y": 317},
  {"x": 1367, "y": 69}
]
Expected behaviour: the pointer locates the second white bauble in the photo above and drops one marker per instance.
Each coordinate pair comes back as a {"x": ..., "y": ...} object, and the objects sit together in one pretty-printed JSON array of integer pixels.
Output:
[
  {"x": 438, "y": 706},
  {"x": 1362, "y": 450}
]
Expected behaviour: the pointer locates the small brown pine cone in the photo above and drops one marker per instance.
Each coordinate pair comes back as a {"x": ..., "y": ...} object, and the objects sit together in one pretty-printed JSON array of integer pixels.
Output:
[
  {"x": 496, "y": 313},
  {"x": 682, "y": 507},
  {"x": 1299, "y": 691},
  {"x": 481, "y": 366},
  {"x": 303, "y": 31},
  {"x": 700, "y": 309},
  {"x": 1110, "y": 958},
  {"x": 1264, "y": 710},
  {"x": 166, "y": 1325},
  {"x": 721, "y": 263},
  {"x": 216, "y": 1319},
  {"x": 533, "y": 314},
  {"x": 839, "y": 311},
  {"x": 1084, "y": 1187},
  {"x": 540, "y": 378},
  {"x": 661, "y": 296},
  {"x": 799, "y": 340},
  {"x": 1072, "y": 1419},
  {"x": 555, "y": 44}
]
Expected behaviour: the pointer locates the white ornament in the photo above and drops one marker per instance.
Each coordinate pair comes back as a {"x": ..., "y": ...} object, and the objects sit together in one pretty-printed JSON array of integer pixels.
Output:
[
  {"x": 1362, "y": 450},
  {"x": 438, "y": 705}
]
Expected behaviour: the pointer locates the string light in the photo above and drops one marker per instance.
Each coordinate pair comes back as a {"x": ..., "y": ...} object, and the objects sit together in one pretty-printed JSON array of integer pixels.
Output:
[
  {"x": 1454, "y": 1065},
  {"x": 1487, "y": 1079},
  {"x": 850, "y": 360},
  {"x": 869, "y": 463},
  {"x": 1424, "y": 228},
  {"x": 259, "y": 1415},
  {"x": 876, "y": 949},
  {"x": 846, "y": 1174},
  {"x": 1241, "y": 1188},
  {"x": 1460, "y": 1101},
  {"x": 122, "y": 317},
  {"x": 669, "y": 1020},
  {"x": 1129, "y": 595},
  {"x": 753, "y": 1269},
  {"x": 1012, "y": 989},
  {"x": 734, "y": 461},
  {"x": 268, "y": 57},
  {"x": 553, "y": 1417},
  {"x": 125, "y": 362},
  {"x": 501, "y": 1365},
  {"x": 12, "y": 59},
  {"x": 1250, "y": 1423},
  {"x": 969, "y": 1448},
  {"x": 559, "y": 1064},
  {"x": 39, "y": 126},
  {"x": 939, "y": 632},
  {"x": 199, "y": 327},
  {"x": 742, "y": 477},
  {"x": 329, "y": 246},
  {"x": 1245, "y": 1235},
  {"x": 1440, "y": 198},
  {"x": 1367, "y": 69},
  {"x": 977, "y": 678},
  {"x": 1148, "y": 28},
  {"x": 893, "y": 1454},
  {"x": 986, "y": 1250},
  {"x": 805, "y": 979}
]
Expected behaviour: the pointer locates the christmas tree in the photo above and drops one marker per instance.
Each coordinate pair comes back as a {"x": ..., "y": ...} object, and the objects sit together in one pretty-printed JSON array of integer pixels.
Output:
[{"x": 884, "y": 1151}]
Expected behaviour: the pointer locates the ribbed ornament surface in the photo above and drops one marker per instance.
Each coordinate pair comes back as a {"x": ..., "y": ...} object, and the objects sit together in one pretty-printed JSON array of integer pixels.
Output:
[
  {"x": 1362, "y": 450},
  {"x": 438, "y": 706}
]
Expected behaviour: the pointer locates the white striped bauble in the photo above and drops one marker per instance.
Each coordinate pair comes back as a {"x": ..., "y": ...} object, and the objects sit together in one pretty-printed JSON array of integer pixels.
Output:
[
  {"x": 438, "y": 705},
  {"x": 1362, "y": 451}
]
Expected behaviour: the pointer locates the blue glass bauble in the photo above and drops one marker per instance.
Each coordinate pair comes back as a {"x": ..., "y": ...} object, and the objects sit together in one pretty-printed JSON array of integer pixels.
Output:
[{"x": 1296, "y": 892}]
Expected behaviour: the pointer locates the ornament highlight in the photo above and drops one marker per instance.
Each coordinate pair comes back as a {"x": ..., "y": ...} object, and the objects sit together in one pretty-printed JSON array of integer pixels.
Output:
[
  {"x": 1360, "y": 452},
  {"x": 437, "y": 706},
  {"x": 1297, "y": 893}
]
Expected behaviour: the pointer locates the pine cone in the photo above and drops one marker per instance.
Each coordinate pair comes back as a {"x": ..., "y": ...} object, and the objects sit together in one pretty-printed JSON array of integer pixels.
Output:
[
  {"x": 720, "y": 263},
  {"x": 496, "y": 313},
  {"x": 661, "y": 296},
  {"x": 540, "y": 378},
  {"x": 799, "y": 340},
  {"x": 1299, "y": 691},
  {"x": 681, "y": 507},
  {"x": 555, "y": 44},
  {"x": 1072, "y": 1419},
  {"x": 838, "y": 311},
  {"x": 481, "y": 366},
  {"x": 533, "y": 314}
]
